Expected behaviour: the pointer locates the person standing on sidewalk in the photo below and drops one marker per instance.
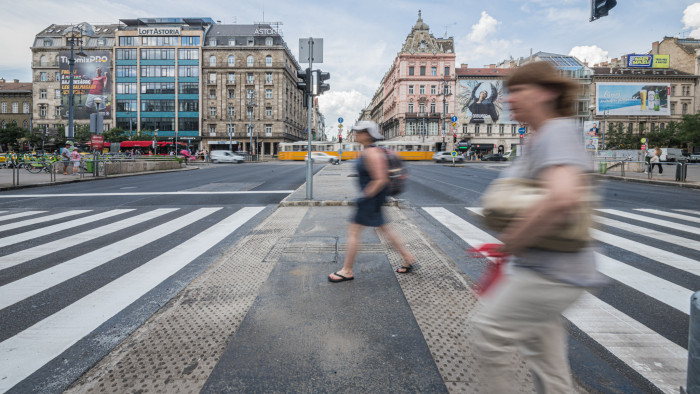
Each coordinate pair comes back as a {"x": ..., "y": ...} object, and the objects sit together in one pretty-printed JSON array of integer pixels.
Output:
[
  {"x": 65, "y": 157},
  {"x": 373, "y": 172},
  {"x": 655, "y": 160},
  {"x": 523, "y": 311},
  {"x": 75, "y": 158}
]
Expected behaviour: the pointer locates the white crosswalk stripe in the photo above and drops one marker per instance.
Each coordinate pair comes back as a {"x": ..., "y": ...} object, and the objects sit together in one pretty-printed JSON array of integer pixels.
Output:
[
  {"x": 11, "y": 216},
  {"x": 42, "y": 219},
  {"x": 27, "y": 351},
  {"x": 659, "y": 360},
  {"x": 670, "y": 215}
]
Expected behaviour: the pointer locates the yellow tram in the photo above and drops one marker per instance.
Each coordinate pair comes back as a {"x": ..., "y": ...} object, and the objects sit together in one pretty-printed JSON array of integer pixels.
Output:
[
  {"x": 410, "y": 150},
  {"x": 298, "y": 150}
]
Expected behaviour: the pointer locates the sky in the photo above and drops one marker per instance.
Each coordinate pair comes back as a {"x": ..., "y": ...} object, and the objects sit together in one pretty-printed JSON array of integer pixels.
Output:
[{"x": 362, "y": 37}]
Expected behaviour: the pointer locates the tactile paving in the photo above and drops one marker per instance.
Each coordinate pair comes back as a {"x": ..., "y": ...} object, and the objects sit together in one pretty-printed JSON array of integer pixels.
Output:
[{"x": 177, "y": 349}]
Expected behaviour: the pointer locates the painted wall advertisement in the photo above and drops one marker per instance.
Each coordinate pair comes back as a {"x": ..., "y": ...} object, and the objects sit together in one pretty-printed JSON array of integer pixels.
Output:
[
  {"x": 482, "y": 101},
  {"x": 91, "y": 80},
  {"x": 591, "y": 135},
  {"x": 632, "y": 99}
]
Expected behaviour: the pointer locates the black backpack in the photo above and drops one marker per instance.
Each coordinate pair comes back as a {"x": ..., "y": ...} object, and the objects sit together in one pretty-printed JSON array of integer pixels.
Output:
[{"x": 397, "y": 173}]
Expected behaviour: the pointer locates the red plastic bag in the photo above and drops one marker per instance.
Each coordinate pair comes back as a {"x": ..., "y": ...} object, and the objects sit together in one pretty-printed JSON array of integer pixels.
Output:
[{"x": 494, "y": 269}]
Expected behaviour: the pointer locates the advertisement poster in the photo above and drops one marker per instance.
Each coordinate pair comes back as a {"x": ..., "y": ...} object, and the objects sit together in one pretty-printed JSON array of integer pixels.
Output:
[
  {"x": 632, "y": 99},
  {"x": 591, "y": 134},
  {"x": 91, "y": 80},
  {"x": 648, "y": 61},
  {"x": 482, "y": 101}
]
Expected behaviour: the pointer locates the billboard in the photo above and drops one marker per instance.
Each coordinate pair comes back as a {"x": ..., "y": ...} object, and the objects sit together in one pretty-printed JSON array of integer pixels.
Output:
[
  {"x": 648, "y": 61},
  {"x": 482, "y": 101},
  {"x": 591, "y": 134},
  {"x": 91, "y": 79},
  {"x": 632, "y": 98}
]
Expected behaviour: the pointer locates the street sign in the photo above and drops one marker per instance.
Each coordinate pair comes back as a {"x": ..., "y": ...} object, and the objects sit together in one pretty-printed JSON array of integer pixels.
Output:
[
  {"x": 454, "y": 118},
  {"x": 453, "y": 153},
  {"x": 340, "y": 120},
  {"x": 521, "y": 130},
  {"x": 644, "y": 140},
  {"x": 311, "y": 53},
  {"x": 340, "y": 126},
  {"x": 644, "y": 146},
  {"x": 454, "y": 123}
]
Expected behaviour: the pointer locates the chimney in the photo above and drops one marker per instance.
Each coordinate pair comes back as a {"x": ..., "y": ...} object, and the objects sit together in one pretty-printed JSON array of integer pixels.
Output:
[
  {"x": 464, "y": 65},
  {"x": 655, "y": 48},
  {"x": 492, "y": 66},
  {"x": 16, "y": 80},
  {"x": 2, "y": 81}
]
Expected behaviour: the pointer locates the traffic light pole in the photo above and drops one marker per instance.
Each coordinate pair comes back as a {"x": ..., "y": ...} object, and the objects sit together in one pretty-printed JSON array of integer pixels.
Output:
[{"x": 310, "y": 101}]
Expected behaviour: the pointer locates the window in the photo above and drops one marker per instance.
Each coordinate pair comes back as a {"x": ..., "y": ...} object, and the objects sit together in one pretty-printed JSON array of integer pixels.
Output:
[
  {"x": 57, "y": 94},
  {"x": 25, "y": 108},
  {"x": 268, "y": 61},
  {"x": 212, "y": 61},
  {"x": 57, "y": 76},
  {"x": 684, "y": 111},
  {"x": 156, "y": 54},
  {"x": 410, "y": 89},
  {"x": 447, "y": 71},
  {"x": 268, "y": 41},
  {"x": 231, "y": 93},
  {"x": 188, "y": 41},
  {"x": 188, "y": 124},
  {"x": 48, "y": 42},
  {"x": 501, "y": 129},
  {"x": 488, "y": 129},
  {"x": 465, "y": 128},
  {"x": 249, "y": 130},
  {"x": 433, "y": 89},
  {"x": 249, "y": 113},
  {"x": 268, "y": 93},
  {"x": 154, "y": 88},
  {"x": 673, "y": 90},
  {"x": 673, "y": 108},
  {"x": 212, "y": 78},
  {"x": 188, "y": 88},
  {"x": 126, "y": 54},
  {"x": 157, "y": 71},
  {"x": 42, "y": 77},
  {"x": 433, "y": 128},
  {"x": 126, "y": 105},
  {"x": 250, "y": 41},
  {"x": 4, "y": 107},
  {"x": 159, "y": 41},
  {"x": 42, "y": 111},
  {"x": 410, "y": 128},
  {"x": 249, "y": 61},
  {"x": 42, "y": 95},
  {"x": 652, "y": 127},
  {"x": 249, "y": 93},
  {"x": 231, "y": 111},
  {"x": 212, "y": 93},
  {"x": 422, "y": 70},
  {"x": 158, "y": 105},
  {"x": 128, "y": 41},
  {"x": 421, "y": 108},
  {"x": 432, "y": 108},
  {"x": 411, "y": 70},
  {"x": 188, "y": 105},
  {"x": 662, "y": 127},
  {"x": 268, "y": 130},
  {"x": 268, "y": 111},
  {"x": 268, "y": 78},
  {"x": 212, "y": 111},
  {"x": 513, "y": 129},
  {"x": 410, "y": 107},
  {"x": 231, "y": 60},
  {"x": 25, "y": 124},
  {"x": 232, "y": 77},
  {"x": 232, "y": 42},
  {"x": 188, "y": 54},
  {"x": 212, "y": 42},
  {"x": 231, "y": 129},
  {"x": 249, "y": 78},
  {"x": 630, "y": 127},
  {"x": 421, "y": 89},
  {"x": 433, "y": 71},
  {"x": 212, "y": 130}
]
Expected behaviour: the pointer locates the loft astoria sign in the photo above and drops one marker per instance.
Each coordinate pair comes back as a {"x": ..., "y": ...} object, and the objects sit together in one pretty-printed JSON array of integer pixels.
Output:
[{"x": 159, "y": 31}]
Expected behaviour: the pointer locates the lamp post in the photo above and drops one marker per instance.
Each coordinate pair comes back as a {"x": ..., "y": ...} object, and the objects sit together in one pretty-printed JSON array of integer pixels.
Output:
[
  {"x": 230, "y": 129},
  {"x": 445, "y": 92},
  {"x": 98, "y": 116},
  {"x": 155, "y": 141},
  {"x": 82, "y": 29},
  {"x": 602, "y": 130},
  {"x": 250, "y": 105}
]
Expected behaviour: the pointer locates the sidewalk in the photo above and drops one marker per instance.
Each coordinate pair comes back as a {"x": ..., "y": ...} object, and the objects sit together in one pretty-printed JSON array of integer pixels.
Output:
[
  {"x": 264, "y": 317},
  {"x": 668, "y": 178}
]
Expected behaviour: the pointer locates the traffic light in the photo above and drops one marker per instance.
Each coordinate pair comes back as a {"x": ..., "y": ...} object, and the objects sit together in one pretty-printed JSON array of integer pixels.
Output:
[
  {"x": 454, "y": 138},
  {"x": 340, "y": 139},
  {"x": 600, "y": 8},
  {"x": 320, "y": 86},
  {"x": 305, "y": 84}
]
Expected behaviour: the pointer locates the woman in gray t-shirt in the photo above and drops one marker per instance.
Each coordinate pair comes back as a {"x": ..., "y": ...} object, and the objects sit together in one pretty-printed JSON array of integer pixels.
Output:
[{"x": 524, "y": 311}]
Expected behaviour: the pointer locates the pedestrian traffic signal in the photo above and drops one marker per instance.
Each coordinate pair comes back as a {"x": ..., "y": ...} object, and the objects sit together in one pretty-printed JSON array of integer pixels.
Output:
[
  {"x": 454, "y": 138},
  {"x": 340, "y": 139},
  {"x": 600, "y": 8},
  {"x": 305, "y": 84}
]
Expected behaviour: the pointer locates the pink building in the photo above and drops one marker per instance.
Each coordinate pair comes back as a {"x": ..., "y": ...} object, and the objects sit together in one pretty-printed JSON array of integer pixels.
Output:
[{"x": 414, "y": 104}]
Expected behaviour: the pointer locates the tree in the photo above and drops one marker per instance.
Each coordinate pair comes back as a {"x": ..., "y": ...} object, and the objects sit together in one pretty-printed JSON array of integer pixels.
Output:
[
  {"x": 82, "y": 133},
  {"x": 10, "y": 135},
  {"x": 617, "y": 138},
  {"x": 115, "y": 134}
]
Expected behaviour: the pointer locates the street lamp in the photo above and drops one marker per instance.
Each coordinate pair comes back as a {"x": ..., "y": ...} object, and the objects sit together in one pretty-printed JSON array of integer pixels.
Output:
[
  {"x": 250, "y": 105},
  {"x": 98, "y": 116},
  {"x": 445, "y": 92},
  {"x": 155, "y": 141},
  {"x": 83, "y": 29},
  {"x": 230, "y": 129}
]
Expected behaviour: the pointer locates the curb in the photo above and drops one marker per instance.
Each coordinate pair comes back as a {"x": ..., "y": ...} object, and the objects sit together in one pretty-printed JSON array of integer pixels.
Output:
[
  {"x": 28, "y": 186},
  {"x": 654, "y": 182},
  {"x": 331, "y": 203}
]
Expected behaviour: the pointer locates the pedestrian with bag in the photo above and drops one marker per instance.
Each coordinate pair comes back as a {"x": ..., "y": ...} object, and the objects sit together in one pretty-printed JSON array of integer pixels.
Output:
[
  {"x": 523, "y": 310},
  {"x": 65, "y": 157},
  {"x": 75, "y": 158},
  {"x": 373, "y": 176},
  {"x": 655, "y": 160}
]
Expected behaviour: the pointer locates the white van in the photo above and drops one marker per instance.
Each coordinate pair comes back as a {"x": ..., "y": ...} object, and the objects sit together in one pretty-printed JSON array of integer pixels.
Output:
[{"x": 672, "y": 154}]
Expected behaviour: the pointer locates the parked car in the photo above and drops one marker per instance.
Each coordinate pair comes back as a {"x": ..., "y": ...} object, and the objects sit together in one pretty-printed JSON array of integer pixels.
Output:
[
  {"x": 321, "y": 157},
  {"x": 225, "y": 156},
  {"x": 672, "y": 154},
  {"x": 494, "y": 157},
  {"x": 444, "y": 156}
]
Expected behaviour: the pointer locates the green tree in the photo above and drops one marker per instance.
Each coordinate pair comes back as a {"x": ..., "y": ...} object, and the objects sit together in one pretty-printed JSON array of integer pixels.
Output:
[
  {"x": 10, "y": 136},
  {"x": 115, "y": 135},
  {"x": 82, "y": 133}
]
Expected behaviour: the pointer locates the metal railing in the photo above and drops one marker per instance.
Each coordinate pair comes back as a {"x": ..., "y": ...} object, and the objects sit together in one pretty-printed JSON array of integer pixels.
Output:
[{"x": 670, "y": 171}]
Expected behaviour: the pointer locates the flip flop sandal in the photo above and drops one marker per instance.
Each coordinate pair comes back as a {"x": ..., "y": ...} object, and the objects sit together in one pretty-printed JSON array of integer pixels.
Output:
[
  {"x": 342, "y": 278},
  {"x": 406, "y": 269}
]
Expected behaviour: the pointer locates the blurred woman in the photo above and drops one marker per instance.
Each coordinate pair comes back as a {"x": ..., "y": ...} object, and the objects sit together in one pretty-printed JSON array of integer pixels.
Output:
[
  {"x": 524, "y": 310},
  {"x": 373, "y": 174},
  {"x": 655, "y": 160}
]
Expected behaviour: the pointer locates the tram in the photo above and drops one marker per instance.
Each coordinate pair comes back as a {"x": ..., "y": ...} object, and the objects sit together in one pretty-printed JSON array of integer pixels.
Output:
[
  {"x": 298, "y": 150},
  {"x": 410, "y": 150}
]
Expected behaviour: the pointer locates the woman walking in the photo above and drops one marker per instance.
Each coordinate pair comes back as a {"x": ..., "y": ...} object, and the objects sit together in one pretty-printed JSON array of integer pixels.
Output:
[
  {"x": 524, "y": 310},
  {"x": 655, "y": 160},
  {"x": 372, "y": 168}
]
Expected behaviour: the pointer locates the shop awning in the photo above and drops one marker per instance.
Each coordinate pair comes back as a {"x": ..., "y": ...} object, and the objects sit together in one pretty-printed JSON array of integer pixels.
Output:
[{"x": 136, "y": 144}]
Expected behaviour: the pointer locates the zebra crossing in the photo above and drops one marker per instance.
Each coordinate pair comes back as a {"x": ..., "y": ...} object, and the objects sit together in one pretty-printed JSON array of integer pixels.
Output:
[
  {"x": 667, "y": 242},
  {"x": 31, "y": 240}
]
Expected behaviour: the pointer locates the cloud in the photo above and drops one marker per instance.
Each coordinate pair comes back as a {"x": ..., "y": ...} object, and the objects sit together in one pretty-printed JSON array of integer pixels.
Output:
[
  {"x": 591, "y": 54},
  {"x": 691, "y": 19},
  {"x": 486, "y": 26},
  {"x": 567, "y": 15},
  {"x": 342, "y": 104}
]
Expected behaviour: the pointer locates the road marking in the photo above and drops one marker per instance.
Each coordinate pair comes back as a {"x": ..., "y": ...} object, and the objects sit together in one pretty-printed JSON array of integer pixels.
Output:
[
  {"x": 657, "y": 359},
  {"x": 650, "y": 220},
  {"x": 26, "y": 352},
  {"x": 688, "y": 211},
  {"x": 11, "y": 240},
  {"x": 668, "y": 258},
  {"x": 182, "y": 193},
  {"x": 671, "y": 215},
  {"x": 661, "y": 236},
  {"x": 42, "y": 250},
  {"x": 11, "y": 216},
  {"x": 33, "y": 284},
  {"x": 42, "y": 219}
]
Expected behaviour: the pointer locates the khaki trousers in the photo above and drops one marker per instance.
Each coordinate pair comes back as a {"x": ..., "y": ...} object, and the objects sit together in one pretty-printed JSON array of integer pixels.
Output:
[{"x": 524, "y": 313}]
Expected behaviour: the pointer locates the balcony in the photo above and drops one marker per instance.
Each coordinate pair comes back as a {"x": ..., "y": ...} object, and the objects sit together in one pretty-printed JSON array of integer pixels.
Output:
[{"x": 423, "y": 115}]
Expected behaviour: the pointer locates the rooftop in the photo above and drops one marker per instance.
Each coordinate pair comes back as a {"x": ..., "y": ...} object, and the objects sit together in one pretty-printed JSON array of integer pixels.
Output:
[
  {"x": 15, "y": 87},
  {"x": 482, "y": 71},
  {"x": 599, "y": 71}
]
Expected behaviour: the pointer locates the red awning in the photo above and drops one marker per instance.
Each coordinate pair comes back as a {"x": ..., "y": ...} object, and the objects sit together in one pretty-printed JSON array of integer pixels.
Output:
[{"x": 136, "y": 144}]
